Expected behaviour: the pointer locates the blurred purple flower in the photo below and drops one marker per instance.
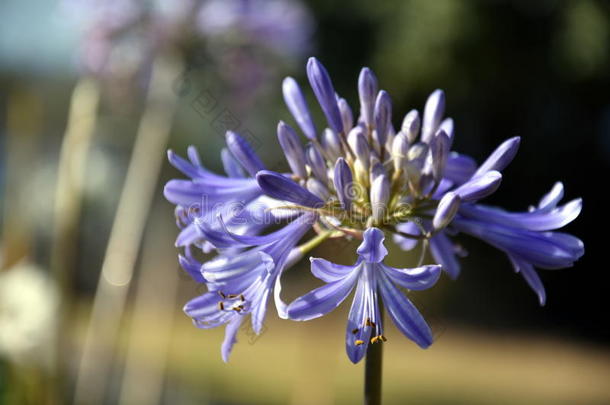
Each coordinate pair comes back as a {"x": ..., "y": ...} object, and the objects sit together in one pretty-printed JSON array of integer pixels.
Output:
[
  {"x": 285, "y": 26},
  {"x": 122, "y": 37}
]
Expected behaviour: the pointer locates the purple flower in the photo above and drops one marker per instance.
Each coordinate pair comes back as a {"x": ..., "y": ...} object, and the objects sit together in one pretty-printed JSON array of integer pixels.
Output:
[
  {"x": 527, "y": 238},
  {"x": 207, "y": 195},
  {"x": 372, "y": 279},
  {"x": 360, "y": 180},
  {"x": 240, "y": 285}
]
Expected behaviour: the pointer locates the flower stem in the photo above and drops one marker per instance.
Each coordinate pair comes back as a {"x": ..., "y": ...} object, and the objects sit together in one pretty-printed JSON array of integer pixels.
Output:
[
  {"x": 373, "y": 370},
  {"x": 309, "y": 245}
]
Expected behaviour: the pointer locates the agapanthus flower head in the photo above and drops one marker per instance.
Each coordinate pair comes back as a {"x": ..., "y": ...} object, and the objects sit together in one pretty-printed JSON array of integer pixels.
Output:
[{"x": 355, "y": 179}]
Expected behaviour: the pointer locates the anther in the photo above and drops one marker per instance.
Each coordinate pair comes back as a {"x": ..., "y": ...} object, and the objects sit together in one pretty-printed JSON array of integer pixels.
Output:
[
  {"x": 222, "y": 294},
  {"x": 242, "y": 298},
  {"x": 355, "y": 331},
  {"x": 359, "y": 342},
  {"x": 378, "y": 338},
  {"x": 221, "y": 306}
]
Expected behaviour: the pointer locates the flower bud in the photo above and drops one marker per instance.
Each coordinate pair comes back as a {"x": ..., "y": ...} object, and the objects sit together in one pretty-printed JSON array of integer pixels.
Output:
[
  {"x": 448, "y": 127},
  {"x": 433, "y": 113},
  {"x": 343, "y": 182},
  {"x": 294, "y": 99},
  {"x": 332, "y": 144},
  {"x": 400, "y": 148},
  {"x": 439, "y": 148},
  {"x": 317, "y": 164},
  {"x": 280, "y": 187},
  {"x": 325, "y": 93},
  {"x": 243, "y": 152},
  {"x": 346, "y": 115},
  {"x": 418, "y": 151},
  {"x": 380, "y": 194},
  {"x": 359, "y": 145},
  {"x": 411, "y": 125},
  {"x": 479, "y": 186},
  {"x": 367, "y": 90},
  {"x": 377, "y": 170},
  {"x": 383, "y": 118},
  {"x": 293, "y": 149},
  {"x": 318, "y": 189},
  {"x": 447, "y": 208}
]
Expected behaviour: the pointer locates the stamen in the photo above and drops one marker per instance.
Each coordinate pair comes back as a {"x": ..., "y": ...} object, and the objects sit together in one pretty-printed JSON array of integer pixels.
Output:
[
  {"x": 221, "y": 306},
  {"x": 242, "y": 298},
  {"x": 359, "y": 342},
  {"x": 378, "y": 339},
  {"x": 222, "y": 295},
  {"x": 355, "y": 331}
]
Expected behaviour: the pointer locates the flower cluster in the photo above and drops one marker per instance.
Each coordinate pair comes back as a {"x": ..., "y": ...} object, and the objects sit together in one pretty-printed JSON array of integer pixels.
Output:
[{"x": 356, "y": 179}]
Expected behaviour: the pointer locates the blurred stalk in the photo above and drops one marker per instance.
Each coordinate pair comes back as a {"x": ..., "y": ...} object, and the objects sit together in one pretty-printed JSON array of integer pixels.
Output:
[
  {"x": 373, "y": 369},
  {"x": 82, "y": 119},
  {"x": 126, "y": 234},
  {"x": 24, "y": 116},
  {"x": 154, "y": 304}
]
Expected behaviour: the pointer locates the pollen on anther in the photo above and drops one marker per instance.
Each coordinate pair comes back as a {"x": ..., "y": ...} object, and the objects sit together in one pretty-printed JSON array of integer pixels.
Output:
[
  {"x": 359, "y": 342},
  {"x": 385, "y": 339}
]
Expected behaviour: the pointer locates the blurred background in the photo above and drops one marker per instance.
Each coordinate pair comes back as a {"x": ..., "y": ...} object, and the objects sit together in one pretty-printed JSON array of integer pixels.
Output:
[{"x": 92, "y": 93}]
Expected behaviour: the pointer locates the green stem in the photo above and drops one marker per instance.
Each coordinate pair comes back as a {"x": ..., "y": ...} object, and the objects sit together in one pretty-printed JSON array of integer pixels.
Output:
[
  {"x": 312, "y": 243},
  {"x": 373, "y": 370}
]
